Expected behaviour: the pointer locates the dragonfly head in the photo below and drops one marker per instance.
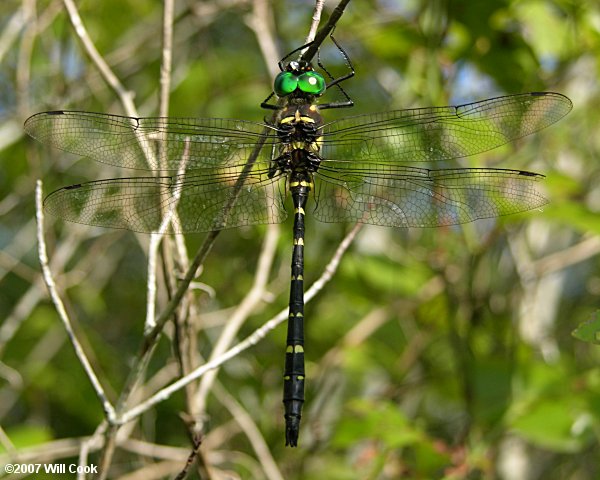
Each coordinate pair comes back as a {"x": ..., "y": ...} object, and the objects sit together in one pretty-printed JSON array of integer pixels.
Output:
[{"x": 299, "y": 79}]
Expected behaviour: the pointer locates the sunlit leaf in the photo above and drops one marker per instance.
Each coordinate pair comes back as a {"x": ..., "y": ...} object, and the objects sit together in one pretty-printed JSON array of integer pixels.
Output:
[
  {"x": 589, "y": 331},
  {"x": 550, "y": 425}
]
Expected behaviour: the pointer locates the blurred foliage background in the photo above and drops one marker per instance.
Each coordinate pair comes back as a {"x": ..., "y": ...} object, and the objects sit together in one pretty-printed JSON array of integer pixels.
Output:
[{"x": 433, "y": 353}]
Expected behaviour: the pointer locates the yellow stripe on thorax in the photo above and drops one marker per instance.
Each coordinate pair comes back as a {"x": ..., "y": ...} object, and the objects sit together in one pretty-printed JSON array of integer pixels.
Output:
[{"x": 301, "y": 183}]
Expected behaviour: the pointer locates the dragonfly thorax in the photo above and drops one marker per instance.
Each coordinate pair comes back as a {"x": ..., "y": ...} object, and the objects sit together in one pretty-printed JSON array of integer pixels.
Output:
[
  {"x": 299, "y": 123},
  {"x": 299, "y": 128}
]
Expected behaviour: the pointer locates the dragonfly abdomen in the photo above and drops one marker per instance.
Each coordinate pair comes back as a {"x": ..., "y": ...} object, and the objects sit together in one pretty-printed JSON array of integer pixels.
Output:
[{"x": 293, "y": 390}]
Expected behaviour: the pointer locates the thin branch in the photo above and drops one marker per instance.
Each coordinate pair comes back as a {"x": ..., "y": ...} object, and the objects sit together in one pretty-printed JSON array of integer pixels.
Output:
[
  {"x": 13, "y": 378},
  {"x": 152, "y": 338},
  {"x": 156, "y": 237},
  {"x": 316, "y": 19},
  {"x": 47, "y": 452},
  {"x": 60, "y": 308},
  {"x": 587, "y": 248},
  {"x": 153, "y": 247},
  {"x": 124, "y": 95},
  {"x": 172, "y": 246},
  {"x": 153, "y": 450},
  {"x": 88, "y": 444},
  {"x": 249, "y": 341},
  {"x": 164, "y": 96},
  {"x": 11, "y": 31},
  {"x": 36, "y": 24},
  {"x": 167, "y": 58},
  {"x": 254, "y": 296},
  {"x": 322, "y": 34},
  {"x": 25, "y": 50},
  {"x": 261, "y": 22},
  {"x": 139, "y": 368},
  {"x": 248, "y": 425},
  {"x": 190, "y": 460},
  {"x": 153, "y": 335},
  {"x": 333, "y": 264}
]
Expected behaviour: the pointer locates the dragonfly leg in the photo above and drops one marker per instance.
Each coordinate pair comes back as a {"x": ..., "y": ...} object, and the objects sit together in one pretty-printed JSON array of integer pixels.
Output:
[{"x": 335, "y": 82}]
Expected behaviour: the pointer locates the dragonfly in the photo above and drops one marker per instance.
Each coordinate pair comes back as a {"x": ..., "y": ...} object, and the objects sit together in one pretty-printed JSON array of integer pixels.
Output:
[{"x": 215, "y": 173}]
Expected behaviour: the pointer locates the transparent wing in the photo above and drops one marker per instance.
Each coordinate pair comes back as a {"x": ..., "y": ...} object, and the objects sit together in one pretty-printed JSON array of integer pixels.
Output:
[
  {"x": 361, "y": 177},
  {"x": 149, "y": 143},
  {"x": 418, "y": 197},
  {"x": 208, "y": 200},
  {"x": 441, "y": 133}
]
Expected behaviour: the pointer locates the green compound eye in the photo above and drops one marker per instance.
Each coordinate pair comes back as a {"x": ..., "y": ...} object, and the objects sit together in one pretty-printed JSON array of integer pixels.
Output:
[
  {"x": 285, "y": 83},
  {"x": 312, "y": 82}
]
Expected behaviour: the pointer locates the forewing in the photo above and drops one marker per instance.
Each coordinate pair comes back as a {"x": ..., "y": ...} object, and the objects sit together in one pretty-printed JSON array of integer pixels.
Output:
[
  {"x": 441, "y": 133},
  {"x": 417, "y": 197},
  {"x": 203, "y": 200},
  {"x": 152, "y": 143}
]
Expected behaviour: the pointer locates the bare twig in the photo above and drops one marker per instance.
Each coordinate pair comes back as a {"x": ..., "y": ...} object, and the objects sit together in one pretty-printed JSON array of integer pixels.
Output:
[
  {"x": 167, "y": 57},
  {"x": 46, "y": 452},
  {"x": 147, "y": 449},
  {"x": 153, "y": 247},
  {"x": 261, "y": 22},
  {"x": 190, "y": 460},
  {"x": 247, "y": 305},
  {"x": 244, "y": 419},
  {"x": 36, "y": 24},
  {"x": 91, "y": 443},
  {"x": 184, "y": 341},
  {"x": 13, "y": 378},
  {"x": 139, "y": 369},
  {"x": 11, "y": 31},
  {"x": 322, "y": 34},
  {"x": 249, "y": 341},
  {"x": 127, "y": 101},
  {"x": 58, "y": 304},
  {"x": 204, "y": 249},
  {"x": 164, "y": 96},
  {"x": 316, "y": 19},
  {"x": 156, "y": 237},
  {"x": 124, "y": 95},
  {"x": 562, "y": 259}
]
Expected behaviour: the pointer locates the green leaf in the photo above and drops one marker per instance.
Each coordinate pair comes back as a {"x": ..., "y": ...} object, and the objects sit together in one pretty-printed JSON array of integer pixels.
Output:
[
  {"x": 549, "y": 424},
  {"x": 589, "y": 331}
]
